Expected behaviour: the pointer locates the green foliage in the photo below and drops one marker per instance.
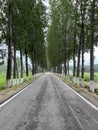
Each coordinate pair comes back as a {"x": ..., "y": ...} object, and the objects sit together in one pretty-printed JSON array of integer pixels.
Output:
[
  {"x": 28, "y": 27},
  {"x": 72, "y": 31},
  {"x": 60, "y": 32},
  {"x": 87, "y": 68},
  {"x": 2, "y": 81},
  {"x": 87, "y": 77},
  {"x": 96, "y": 77}
]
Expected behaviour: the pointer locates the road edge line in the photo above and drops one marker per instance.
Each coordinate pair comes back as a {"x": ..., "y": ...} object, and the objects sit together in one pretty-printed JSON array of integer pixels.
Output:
[
  {"x": 17, "y": 93},
  {"x": 88, "y": 102}
]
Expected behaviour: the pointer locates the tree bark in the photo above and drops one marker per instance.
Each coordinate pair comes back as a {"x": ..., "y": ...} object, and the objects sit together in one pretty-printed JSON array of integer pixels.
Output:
[
  {"x": 21, "y": 62},
  {"x": 78, "y": 62},
  {"x": 92, "y": 46},
  {"x": 68, "y": 64},
  {"x": 17, "y": 74},
  {"x": 9, "y": 61},
  {"x": 83, "y": 40},
  {"x": 59, "y": 69},
  {"x": 14, "y": 68},
  {"x": 74, "y": 56},
  {"x": 54, "y": 69},
  {"x": 65, "y": 58},
  {"x": 74, "y": 62},
  {"x": 26, "y": 58},
  {"x": 32, "y": 63}
]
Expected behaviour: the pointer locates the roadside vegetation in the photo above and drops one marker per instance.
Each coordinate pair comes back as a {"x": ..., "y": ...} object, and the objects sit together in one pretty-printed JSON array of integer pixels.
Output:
[
  {"x": 3, "y": 80},
  {"x": 48, "y": 39},
  {"x": 87, "y": 77},
  {"x": 22, "y": 30},
  {"x": 73, "y": 30}
]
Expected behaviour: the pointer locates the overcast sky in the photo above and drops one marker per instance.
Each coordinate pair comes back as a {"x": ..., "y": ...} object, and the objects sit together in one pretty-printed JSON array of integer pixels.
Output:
[{"x": 87, "y": 57}]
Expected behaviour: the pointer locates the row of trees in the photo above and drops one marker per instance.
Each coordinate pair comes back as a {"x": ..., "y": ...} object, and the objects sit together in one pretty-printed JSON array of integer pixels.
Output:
[
  {"x": 73, "y": 30},
  {"x": 22, "y": 28}
]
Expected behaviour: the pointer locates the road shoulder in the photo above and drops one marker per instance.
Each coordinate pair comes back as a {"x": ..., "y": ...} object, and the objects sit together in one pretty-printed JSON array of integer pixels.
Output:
[
  {"x": 92, "y": 97},
  {"x": 10, "y": 92}
]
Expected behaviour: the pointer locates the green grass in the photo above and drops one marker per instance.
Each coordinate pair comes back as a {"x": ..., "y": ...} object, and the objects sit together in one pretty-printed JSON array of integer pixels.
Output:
[
  {"x": 30, "y": 76},
  {"x": 87, "y": 77},
  {"x": 3, "y": 80}
]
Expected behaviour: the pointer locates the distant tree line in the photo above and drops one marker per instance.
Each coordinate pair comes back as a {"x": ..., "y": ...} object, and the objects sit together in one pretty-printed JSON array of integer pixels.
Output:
[{"x": 87, "y": 68}]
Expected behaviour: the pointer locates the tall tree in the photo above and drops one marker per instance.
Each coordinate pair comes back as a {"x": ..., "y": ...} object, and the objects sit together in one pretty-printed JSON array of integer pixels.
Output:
[
  {"x": 9, "y": 41},
  {"x": 92, "y": 41},
  {"x": 83, "y": 16}
]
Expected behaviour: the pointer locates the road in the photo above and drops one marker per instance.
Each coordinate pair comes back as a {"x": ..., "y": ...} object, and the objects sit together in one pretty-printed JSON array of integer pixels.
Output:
[{"x": 48, "y": 104}]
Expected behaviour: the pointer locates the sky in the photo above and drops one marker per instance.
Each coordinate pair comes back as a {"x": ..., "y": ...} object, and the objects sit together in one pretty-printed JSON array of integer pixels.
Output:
[{"x": 87, "y": 57}]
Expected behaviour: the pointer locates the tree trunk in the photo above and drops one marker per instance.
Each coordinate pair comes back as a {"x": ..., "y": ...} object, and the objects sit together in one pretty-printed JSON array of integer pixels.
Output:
[
  {"x": 36, "y": 67},
  {"x": 21, "y": 62},
  {"x": 54, "y": 69},
  {"x": 65, "y": 58},
  {"x": 59, "y": 69},
  {"x": 17, "y": 74},
  {"x": 78, "y": 62},
  {"x": 33, "y": 64},
  {"x": 79, "y": 49},
  {"x": 82, "y": 73},
  {"x": 68, "y": 68},
  {"x": 9, "y": 62},
  {"x": 32, "y": 69},
  {"x": 74, "y": 56},
  {"x": 14, "y": 68},
  {"x": 92, "y": 46},
  {"x": 83, "y": 40},
  {"x": 26, "y": 57}
]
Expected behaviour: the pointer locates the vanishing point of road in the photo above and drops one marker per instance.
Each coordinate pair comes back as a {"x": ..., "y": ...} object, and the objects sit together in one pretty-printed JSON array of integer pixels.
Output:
[{"x": 48, "y": 104}]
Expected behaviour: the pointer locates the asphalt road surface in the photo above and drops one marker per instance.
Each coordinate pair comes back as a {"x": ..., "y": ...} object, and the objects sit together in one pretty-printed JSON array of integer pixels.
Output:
[{"x": 48, "y": 104}]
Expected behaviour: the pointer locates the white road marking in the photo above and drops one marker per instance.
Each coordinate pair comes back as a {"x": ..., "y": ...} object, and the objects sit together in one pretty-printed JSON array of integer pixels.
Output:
[
  {"x": 80, "y": 125},
  {"x": 88, "y": 102},
  {"x": 10, "y": 99},
  {"x": 7, "y": 101},
  {"x": 71, "y": 110}
]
